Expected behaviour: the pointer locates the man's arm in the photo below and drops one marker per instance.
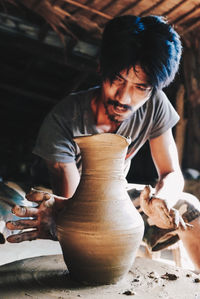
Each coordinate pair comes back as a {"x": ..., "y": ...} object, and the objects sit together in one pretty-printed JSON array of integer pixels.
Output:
[
  {"x": 159, "y": 206},
  {"x": 165, "y": 157},
  {"x": 65, "y": 179}
]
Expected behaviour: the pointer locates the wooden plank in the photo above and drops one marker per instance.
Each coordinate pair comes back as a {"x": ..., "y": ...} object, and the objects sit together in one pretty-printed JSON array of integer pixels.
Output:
[
  {"x": 129, "y": 7},
  {"x": 190, "y": 28},
  {"x": 180, "y": 127},
  {"x": 152, "y": 8},
  {"x": 181, "y": 9},
  {"x": 193, "y": 13},
  {"x": 176, "y": 7},
  {"x": 88, "y": 8}
]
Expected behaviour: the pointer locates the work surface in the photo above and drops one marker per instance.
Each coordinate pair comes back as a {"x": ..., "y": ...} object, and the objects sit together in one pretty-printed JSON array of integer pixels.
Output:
[{"x": 47, "y": 277}]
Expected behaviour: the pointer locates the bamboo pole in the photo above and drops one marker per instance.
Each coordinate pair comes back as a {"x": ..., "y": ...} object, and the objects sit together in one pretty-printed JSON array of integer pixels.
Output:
[{"x": 180, "y": 128}]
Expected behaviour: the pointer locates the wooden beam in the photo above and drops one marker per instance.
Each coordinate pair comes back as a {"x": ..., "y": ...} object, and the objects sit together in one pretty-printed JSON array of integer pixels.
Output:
[
  {"x": 90, "y": 9},
  {"x": 148, "y": 10},
  {"x": 190, "y": 28},
  {"x": 177, "y": 6},
  {"x": 108, "y": 5},
  {"x": 181, "y": 126},
  {"x": 195, "y": 12},
  {"x": 128, "y": 7}
]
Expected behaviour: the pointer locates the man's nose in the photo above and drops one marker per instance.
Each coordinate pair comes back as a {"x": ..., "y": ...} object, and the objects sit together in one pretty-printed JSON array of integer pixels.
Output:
[{"x": 123, "y": 95}]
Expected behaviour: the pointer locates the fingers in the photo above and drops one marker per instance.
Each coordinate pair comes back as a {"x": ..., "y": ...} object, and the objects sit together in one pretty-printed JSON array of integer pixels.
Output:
[
  {"x": 145, "y": 194},
  {"x": 39, "y": 226},
  {"x": 49, "y": 203},
  {"x": 21, "y": 224},
  {"x": 145, "y": 199},
  {"x": 37, "y": 196},
  {"x": 25, "y": 211},
  {"x": 26, "y": 236},
  {"x": 165, "y": 208},
  {"x": 182, "y": 223},
  {"x": 177, "y": 219}
]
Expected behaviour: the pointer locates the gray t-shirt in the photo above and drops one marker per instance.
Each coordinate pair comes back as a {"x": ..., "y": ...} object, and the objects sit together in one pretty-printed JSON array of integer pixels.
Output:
[{"x": 73, "y": 117}]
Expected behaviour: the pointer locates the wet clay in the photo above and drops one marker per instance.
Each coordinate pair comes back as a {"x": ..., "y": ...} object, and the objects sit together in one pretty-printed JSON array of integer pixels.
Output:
[{"x": 100, "y": 230}]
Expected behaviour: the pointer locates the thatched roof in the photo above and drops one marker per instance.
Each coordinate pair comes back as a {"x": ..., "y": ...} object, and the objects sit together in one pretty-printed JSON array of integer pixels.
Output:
[{"x": 91, "y": 15}]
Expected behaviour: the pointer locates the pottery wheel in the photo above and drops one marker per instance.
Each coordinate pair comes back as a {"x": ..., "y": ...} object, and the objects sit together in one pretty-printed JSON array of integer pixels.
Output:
[{"x": 47, "y": 277}]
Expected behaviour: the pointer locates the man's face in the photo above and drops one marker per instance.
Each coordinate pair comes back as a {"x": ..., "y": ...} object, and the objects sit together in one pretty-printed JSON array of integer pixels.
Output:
[{"x": 129, "y": 91}]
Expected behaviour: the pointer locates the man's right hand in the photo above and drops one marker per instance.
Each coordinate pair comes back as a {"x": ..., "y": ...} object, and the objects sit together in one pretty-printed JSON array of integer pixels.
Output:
[{"x": 42, "y": 224}]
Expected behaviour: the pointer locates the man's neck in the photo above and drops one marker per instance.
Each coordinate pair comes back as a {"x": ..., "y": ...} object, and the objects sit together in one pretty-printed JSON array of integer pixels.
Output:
[{"x": 103, "y": 123}]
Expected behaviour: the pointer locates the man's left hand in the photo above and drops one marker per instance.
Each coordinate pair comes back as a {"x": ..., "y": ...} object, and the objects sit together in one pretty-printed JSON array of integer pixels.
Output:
[{"x": 158, "y": 211}]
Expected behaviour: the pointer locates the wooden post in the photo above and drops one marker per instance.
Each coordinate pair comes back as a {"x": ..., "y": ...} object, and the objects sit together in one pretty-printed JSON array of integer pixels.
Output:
[{"x": 180, "y": 128}]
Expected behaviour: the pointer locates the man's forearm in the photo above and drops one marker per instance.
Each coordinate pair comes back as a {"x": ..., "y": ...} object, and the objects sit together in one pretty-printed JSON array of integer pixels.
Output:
[
  {"x": 170, "y": 186},
  {"x": 64, "y": 178}
]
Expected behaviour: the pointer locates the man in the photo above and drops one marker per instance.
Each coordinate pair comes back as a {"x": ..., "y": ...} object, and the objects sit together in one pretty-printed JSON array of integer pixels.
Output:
[{"x": 139, "y": 57}]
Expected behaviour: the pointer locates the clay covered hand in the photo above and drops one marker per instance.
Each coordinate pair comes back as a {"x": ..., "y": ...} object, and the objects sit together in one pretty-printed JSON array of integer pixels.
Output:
[
  {"x": 159, "y": 212},
  {"x": 40, "y": 220}
]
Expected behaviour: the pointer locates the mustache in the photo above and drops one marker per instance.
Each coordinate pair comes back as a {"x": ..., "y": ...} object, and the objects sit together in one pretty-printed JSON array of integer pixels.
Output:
[{"x": 117, "y": 104}]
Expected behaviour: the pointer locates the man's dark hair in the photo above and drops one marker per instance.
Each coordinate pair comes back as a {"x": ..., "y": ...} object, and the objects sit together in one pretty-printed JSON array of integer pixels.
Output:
[{"x": 146, "y": 41}]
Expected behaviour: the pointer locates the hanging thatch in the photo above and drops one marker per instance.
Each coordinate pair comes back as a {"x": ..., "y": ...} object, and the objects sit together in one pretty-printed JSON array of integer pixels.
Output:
[
  {"x": 92, "y": 15},
  {"x": 53, "y": 14}
]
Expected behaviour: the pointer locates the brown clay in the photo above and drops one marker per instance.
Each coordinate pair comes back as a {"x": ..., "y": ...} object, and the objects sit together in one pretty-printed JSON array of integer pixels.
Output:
[{"x": 100, "y": 230}]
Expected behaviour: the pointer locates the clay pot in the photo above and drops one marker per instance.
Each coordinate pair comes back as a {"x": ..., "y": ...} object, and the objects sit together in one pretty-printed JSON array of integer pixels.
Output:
[{"x": 100, "y": 230}]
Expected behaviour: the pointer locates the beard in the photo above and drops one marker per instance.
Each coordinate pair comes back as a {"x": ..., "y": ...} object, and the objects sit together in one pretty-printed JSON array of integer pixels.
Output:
[{"x": 112, "y": 116}]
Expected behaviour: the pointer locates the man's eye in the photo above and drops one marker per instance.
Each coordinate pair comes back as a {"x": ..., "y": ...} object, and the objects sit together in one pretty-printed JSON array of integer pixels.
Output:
[
  {"x": 142, "y": 88},
  {"x": 119, "y": 80}
]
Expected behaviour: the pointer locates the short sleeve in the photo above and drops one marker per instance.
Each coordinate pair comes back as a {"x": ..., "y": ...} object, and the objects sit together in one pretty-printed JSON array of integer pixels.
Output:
[
  {"x": 165, "y": 116},
  {"x": 55, "y": 140}
]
